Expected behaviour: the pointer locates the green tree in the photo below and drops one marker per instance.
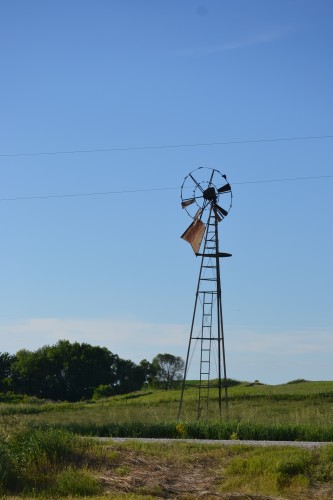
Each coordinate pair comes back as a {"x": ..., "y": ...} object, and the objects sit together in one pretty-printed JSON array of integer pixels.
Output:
[
  {"x": 149, "y": 371},
  {"x": 72, "y": 371},
  {"x": 82, "y": 367},
  {"x": 6, "y": 361},
  {"x": 168, "y": 369},
  {"x": 29, "y": 372},
  {"x": 130, "y": 377},
  {"x": 64, "y": 371}
]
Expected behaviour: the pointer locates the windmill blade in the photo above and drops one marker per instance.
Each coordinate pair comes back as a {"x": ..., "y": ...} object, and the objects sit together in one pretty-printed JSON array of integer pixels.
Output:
[
  {"x": 221, "y": 211},
  {"x": 211, "y": 178},
  {"x": 194, "y": 234},
  {"x": 196, "y": 182},
  {"x": 186, "y": 203},
  {"x": 225, "y": 189}
]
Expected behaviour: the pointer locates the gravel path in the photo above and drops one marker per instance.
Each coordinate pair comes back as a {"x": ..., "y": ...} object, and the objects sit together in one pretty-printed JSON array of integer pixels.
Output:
[{"x": 229, "y": 442}]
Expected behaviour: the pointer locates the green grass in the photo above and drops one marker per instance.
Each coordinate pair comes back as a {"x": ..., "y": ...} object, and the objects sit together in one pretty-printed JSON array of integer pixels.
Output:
[
  {"x": 291, "y": 472},
  {"x": 295, "y": 411},
  {"x": 75, "y": 482}
]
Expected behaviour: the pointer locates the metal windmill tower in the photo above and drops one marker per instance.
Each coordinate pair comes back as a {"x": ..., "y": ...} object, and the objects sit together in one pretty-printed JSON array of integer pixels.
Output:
[{"x": 206, "y": 196}]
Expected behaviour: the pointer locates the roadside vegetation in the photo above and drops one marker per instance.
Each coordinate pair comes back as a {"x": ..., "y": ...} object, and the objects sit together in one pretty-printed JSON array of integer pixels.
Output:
[
  {"x": 53, "y": 463},
  {"x": 34, "y": 461}
]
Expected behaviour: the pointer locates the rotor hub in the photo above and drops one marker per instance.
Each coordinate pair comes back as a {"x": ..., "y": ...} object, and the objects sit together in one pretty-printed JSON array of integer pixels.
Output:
[{"x": 210, "y": 194}]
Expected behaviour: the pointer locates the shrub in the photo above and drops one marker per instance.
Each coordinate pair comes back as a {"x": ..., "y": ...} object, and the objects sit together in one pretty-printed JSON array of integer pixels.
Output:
[
  {"x": 297, "y": 381},
  {"x": 103, "y": 391}
]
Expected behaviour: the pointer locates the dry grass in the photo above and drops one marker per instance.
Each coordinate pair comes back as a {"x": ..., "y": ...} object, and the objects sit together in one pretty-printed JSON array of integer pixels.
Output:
[
  {"x": 160, "y": 476},
  {"x": 195, "y": 471}
]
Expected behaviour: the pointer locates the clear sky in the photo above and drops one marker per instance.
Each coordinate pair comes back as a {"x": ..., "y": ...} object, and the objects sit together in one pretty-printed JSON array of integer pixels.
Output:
[{"x": 111, "y": 269}]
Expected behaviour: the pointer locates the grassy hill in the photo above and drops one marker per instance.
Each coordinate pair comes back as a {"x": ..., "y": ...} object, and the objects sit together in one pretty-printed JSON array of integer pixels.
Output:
[{"x": 299, "y": 410}]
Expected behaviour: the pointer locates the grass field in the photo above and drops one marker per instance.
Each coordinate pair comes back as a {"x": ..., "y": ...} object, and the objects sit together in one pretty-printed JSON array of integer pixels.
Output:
[
  {"x": 41, "y": 453},
  {"x": 302, "y": 411}
]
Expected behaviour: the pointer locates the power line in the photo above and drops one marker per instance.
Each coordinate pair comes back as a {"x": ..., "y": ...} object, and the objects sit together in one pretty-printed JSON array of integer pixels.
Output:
[
  {"x": 169, "y": 146},
  {"x": 103, "y": 193},
  {"x": 286, "y": 179},
  {"x": 75, "y": 195}
]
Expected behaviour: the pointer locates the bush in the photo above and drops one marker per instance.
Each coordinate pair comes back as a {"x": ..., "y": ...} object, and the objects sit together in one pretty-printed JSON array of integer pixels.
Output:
[
  {"x": 103, "y": 391},
  {"x": 297, "y": 381}
]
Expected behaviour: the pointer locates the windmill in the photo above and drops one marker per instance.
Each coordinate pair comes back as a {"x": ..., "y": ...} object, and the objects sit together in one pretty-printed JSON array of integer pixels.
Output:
[{"x": 207, "y": 198}]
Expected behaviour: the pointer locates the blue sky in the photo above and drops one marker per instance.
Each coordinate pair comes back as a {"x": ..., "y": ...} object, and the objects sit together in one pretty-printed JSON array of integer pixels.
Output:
[{"x": 111, "y": 269}]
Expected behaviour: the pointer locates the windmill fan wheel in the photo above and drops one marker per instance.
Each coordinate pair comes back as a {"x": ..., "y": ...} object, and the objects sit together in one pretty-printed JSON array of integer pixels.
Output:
[{"x": 204, "y": 189}]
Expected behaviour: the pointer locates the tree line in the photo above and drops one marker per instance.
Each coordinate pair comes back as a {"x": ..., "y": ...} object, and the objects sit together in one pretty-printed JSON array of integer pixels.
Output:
[{"x": 74, "y": 371}]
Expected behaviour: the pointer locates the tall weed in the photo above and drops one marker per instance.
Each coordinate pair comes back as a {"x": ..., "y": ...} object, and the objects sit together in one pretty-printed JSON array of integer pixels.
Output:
[
  {"x": 8, "y": 477},
  {"x": 202, "y": 430},
  {"x": 32, "y": 460}
]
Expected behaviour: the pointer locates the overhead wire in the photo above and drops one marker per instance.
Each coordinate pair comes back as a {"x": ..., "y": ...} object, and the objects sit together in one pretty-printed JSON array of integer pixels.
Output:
[
  {"x": 146, "y": 190},
  {"x": 165, "y": 146},
  {"x": 285, "y": 179},
  {"x": 94, "y": 193}
]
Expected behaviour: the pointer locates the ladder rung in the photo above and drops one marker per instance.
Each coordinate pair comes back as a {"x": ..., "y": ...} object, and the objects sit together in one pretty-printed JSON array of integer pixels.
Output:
[{"x": 204, "y": 338}]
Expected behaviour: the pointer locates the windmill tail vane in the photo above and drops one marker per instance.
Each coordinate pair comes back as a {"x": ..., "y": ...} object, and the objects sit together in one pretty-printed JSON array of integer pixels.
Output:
[{"x": 195, "y": 232}]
